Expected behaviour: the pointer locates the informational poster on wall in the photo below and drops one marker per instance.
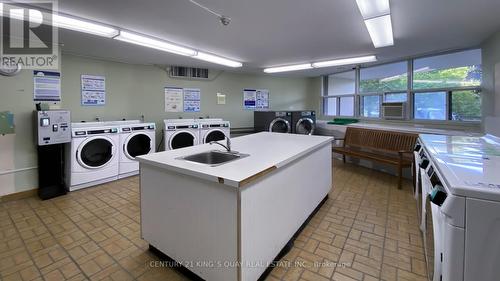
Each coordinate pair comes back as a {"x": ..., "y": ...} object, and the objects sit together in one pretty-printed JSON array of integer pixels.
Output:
[
  {"x": 182, "y": 99},
  {"x": 255, "y": 99},
  {"x": 192, "y": 100},
  {"x": 46, "y": 86},
  {"x": 93, "y": 90},
  {"x": 174, "y": 99}
]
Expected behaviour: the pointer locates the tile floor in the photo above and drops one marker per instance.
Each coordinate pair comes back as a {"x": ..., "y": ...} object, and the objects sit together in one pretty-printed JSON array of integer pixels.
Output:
[{"x": 366, "y": 230}]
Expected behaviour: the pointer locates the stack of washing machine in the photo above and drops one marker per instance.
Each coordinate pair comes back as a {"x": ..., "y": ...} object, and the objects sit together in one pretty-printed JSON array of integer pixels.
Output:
[
  {"x": 181, "y": 133},
  {"x": 100, "y": 152}
]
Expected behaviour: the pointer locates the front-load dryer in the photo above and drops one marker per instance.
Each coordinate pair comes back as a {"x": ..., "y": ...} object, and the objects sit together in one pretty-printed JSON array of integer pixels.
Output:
[
  {"x": 92, "y": 155},
  {"x": 303, "y": 122},
  {"x": 213, "y": 130},
  {"x": 135, "y": 140},
  {"x": 180, "y": 133},
  {"x": 273, "y": 121}
]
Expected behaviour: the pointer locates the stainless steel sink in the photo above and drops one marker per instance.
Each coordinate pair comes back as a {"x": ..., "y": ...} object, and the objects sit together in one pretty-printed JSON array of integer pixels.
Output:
[{"x": 214, "y": 157}]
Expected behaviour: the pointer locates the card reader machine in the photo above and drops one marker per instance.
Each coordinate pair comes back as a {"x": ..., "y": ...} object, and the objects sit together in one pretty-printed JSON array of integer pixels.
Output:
[
  {"x": 52, "y": 131},
  {"x": 52, "y": 127}
]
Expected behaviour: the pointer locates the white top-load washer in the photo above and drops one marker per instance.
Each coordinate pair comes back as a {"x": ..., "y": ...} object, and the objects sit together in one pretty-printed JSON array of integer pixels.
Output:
[
  {"x": 461, "y": 208},
  {"x": 179, "y": 133},
  {"x": 213, "y": 130},
  {"x": 92, "y": 155},
  {"x": 135, "y": 139}
]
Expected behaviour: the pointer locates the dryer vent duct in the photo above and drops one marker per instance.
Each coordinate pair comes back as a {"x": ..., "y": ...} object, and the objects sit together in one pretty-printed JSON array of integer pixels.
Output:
[{"x": 188, "y": 72}]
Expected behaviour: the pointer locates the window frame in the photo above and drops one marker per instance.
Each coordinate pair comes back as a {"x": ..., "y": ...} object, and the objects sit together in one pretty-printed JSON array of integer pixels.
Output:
[
  {"x": 410, "y": 92},
  {"x": 449, "y": 104},
  {"x": 399, "y": 92},
  {"x": 338, "y": 97},
  {"x": 361, "y": 106}
]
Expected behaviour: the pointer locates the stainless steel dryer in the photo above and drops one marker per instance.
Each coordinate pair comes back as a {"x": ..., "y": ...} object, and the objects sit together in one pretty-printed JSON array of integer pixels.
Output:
[
  {"x": 303, "y": 122},
  {"x": 273, "y": 121}
]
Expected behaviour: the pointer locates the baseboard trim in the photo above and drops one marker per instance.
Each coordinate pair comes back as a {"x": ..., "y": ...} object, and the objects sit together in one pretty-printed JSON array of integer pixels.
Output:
[{"x": 18, "y": 195}]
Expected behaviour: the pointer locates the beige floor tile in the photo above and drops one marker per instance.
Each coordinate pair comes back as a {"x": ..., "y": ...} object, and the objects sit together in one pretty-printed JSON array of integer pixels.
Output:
[{"x": 366, "y": 230}]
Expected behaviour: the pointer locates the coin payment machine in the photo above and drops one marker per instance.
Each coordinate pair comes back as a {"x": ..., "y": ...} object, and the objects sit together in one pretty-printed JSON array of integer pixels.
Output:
[{"x": 52, "y": 131}]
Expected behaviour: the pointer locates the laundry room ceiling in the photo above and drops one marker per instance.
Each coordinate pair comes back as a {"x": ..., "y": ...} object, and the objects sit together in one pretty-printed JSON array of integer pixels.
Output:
[{"x": 265, "y": 33}]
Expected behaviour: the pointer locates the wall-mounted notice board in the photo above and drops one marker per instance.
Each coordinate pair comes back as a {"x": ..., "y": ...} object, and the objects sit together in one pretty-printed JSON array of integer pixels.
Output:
[{"x": 255, "y": 99}]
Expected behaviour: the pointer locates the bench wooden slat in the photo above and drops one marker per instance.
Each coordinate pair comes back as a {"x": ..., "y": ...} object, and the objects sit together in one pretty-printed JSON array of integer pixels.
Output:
[
  {"x": 384, "y": 146},
  {"x": 393, "y": 160}
]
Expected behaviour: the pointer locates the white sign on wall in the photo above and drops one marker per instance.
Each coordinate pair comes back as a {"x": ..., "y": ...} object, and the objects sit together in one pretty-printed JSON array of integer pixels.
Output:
[
  {"x": 174, "y": 101},
  {"x": 255, "y": 99},
  {"x": 182, "y": 99},
  {"x": 93, "y": 90},
  {"x": 192, "y": 100},
  {"x": 46, "y": 86}
]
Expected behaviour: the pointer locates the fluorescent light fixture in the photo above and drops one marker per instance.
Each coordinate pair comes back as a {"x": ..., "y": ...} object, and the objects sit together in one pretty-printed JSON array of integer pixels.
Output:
[
  {"x": 380, "y": 30},
  {"x": 70, "y": 23},
  {"x": 60, "y": 21},
  {"x": 344, "y": 61},
  {"x": 288, "y": 68},
  {"x": 217, "y": 60},
  {"x": 66, "y": 22},
  {"x": 373, "y": 8},
  {"x": 149, "y": 42}
]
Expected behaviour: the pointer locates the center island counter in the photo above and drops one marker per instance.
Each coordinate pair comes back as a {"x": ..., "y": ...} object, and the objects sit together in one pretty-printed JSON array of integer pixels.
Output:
[{"x": 229, "y": 222}]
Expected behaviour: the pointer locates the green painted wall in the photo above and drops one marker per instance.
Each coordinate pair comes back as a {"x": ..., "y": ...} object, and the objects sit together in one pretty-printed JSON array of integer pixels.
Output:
[{"x": 132, "y": 91}]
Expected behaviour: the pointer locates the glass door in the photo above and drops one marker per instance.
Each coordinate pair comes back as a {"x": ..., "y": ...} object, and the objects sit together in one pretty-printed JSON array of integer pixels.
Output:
[{"x": 95, "y": 152}]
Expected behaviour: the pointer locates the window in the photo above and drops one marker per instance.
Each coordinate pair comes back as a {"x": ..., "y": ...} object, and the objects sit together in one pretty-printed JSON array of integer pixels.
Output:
[
  {"x": 466, "y": 106},
  {"x": 461, "y": 69},
  {"x": 463, "y": 105},
  {"x": 430, "y": 106},
  {"x": 340, "y": 84},
  {"x": 395, "y": 97},
  {"x": 347, "y": 106},
  {"x": 445, "y": 87},
  {"x": 340, "y": 98},
  {"x": 330, "y": 106},
  {"x": 384, "y": 78},
  {"x": 371, "y": 106}
]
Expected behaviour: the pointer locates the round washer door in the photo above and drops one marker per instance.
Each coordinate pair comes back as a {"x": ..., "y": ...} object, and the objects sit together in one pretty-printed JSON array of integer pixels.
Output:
[
  {"x": 214, "y": 135},
  {"x": 305, "y": 126},
  {"x": 137, "y": 144},
  {"x": 182, "y": 139},
  {"x": 279, "y": 125},
  {"x": 95, "y": 152}
]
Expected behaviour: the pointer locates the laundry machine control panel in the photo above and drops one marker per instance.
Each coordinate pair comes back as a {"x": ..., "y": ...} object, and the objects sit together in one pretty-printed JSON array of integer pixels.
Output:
[{"x": 52, "y": 127}]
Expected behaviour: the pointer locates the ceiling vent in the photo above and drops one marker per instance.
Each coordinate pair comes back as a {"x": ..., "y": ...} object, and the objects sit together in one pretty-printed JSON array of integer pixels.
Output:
[{"x": 189, "y": 72}]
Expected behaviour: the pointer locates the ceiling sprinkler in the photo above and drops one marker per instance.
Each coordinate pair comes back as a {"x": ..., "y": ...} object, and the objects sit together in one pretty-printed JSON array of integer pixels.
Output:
[{"x": 224, "y": 20}]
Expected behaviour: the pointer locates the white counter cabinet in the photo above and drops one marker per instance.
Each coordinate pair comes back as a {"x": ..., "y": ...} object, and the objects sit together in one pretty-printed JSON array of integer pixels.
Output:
[{"x": 230, "y": 221}]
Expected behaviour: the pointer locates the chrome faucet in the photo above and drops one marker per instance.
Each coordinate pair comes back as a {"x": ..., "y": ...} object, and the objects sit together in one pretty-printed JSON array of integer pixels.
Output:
[{"x": 227, "y": 146}]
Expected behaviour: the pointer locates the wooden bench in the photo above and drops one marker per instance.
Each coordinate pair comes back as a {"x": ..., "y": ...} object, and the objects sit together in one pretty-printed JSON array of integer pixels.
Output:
[{"x": 388, "y": 147}]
